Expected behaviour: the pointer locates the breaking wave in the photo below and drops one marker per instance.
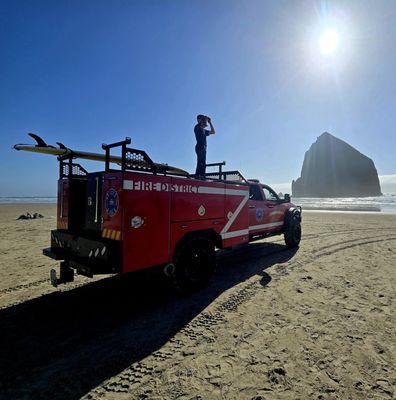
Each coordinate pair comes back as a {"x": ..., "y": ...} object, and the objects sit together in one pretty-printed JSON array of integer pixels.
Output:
[
  {"x": 386, "y": 203},
  {"x": 27, "y": 200}
]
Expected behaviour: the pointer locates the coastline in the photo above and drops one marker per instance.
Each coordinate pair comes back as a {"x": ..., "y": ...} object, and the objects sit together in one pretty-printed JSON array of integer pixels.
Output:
[
  {"x": 346, "y": 209},
  {"x": 305, "y": 207}
]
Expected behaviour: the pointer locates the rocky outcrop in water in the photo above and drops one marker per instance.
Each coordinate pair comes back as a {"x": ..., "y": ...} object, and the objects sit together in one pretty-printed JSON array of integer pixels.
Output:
[{"x": 333, "y": 168}]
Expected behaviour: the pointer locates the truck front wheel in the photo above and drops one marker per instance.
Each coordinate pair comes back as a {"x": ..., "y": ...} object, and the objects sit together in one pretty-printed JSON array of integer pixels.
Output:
[
  {"x": 293, "y": 232},
  {"x": 195, "y": 263}
]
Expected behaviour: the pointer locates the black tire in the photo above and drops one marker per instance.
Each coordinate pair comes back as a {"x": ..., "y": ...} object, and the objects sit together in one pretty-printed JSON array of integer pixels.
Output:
[
  {"x": 293, "y": 232},
  {"x": 195, "y": 263}
]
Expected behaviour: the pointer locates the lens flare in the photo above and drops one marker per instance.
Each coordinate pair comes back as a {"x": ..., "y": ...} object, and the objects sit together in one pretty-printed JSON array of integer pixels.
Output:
[{"x": 328, "y": 41}]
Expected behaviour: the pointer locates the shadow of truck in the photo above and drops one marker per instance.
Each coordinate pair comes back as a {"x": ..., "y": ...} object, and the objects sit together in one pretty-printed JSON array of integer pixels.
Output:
[{"x": 64, "y": 344}]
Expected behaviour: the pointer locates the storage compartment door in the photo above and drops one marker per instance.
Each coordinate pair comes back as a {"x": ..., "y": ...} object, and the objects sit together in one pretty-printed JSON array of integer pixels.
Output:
[{"x": 146, "y": 221}]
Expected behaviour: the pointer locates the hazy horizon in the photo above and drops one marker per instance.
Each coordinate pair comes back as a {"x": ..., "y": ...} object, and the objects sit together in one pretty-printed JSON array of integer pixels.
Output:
[{"x": 387, "y": 182}]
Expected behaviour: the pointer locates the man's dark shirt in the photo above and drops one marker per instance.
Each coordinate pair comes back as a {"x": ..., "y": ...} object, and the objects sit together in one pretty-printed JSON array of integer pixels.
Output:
[{"x": 200, "y": 135}]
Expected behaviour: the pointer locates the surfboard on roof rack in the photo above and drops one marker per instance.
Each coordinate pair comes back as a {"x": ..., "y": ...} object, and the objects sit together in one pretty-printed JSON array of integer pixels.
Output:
[{"x": 64, "y": 152}]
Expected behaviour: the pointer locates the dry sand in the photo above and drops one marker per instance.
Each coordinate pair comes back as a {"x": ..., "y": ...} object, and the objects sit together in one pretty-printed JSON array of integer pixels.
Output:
[{"x": 316, "y": 323}]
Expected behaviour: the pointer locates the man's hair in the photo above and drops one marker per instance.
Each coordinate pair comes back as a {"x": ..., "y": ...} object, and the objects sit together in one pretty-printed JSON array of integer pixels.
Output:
[{"x": 200, "y": 116}]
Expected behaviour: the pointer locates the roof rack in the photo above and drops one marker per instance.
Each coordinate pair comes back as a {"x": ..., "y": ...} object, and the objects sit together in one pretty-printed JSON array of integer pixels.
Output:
[
  {"x": 231, "y": 176},
  {"x": 136, "y": 160}
]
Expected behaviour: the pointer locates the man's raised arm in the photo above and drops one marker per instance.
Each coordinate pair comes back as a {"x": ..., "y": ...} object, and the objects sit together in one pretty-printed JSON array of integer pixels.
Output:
[{"x": 212, "y": 129}]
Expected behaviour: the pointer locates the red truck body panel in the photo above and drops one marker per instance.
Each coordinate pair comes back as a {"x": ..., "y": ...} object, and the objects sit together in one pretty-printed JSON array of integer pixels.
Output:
[
  {"x": 150, "y": 214},
  {"x": 159, "y": 211}
]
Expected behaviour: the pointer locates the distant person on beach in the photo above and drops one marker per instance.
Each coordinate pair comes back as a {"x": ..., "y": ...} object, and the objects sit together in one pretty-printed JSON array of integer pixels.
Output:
[
  {"x": 200, "y": 148},
  {"x": 30, "y": 216}
]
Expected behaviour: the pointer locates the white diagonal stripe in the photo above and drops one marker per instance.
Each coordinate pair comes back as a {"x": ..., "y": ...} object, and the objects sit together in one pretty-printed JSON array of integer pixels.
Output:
[
  {"x": 262, "y": 226},
  {"x": 242, "y": 232},
  {"x": 235, "y": 214},
  {"x": 232, "y": 234}
]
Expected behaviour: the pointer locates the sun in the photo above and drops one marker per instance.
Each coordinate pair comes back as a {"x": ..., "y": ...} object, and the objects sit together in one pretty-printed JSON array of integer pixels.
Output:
[{"x": 328, "y": 41}]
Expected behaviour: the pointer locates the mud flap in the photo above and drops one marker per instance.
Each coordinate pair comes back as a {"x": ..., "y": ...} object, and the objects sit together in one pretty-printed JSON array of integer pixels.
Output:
[{"x": 53, "y": 277}]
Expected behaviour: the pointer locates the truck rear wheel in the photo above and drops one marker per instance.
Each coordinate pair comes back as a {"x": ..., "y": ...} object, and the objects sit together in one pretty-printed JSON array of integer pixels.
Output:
[
  {"x": 293, "y": 232},
  {"x": 195, "y": 263}
]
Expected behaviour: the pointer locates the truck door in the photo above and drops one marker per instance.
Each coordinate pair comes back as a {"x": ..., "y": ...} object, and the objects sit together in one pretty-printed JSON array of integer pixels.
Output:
[
  {"x": 258, "y": 210},
  {"x": 276, "y": 209}
]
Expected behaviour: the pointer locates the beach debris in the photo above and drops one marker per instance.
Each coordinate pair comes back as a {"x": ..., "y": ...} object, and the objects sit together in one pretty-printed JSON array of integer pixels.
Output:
[
  {"x": 30, "y": 216},
  {"x": 277, "y": 376}
]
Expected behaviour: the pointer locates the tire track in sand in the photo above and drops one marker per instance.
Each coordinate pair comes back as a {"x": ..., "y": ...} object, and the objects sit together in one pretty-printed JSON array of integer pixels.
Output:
[
  {"x": 201, "y": 328},
  {"x": 24, "y": 286},
  {"x": 235, "y": 252}
]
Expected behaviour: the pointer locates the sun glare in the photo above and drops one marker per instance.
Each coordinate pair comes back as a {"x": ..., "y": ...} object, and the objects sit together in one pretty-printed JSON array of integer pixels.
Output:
[{"x": 328, "y": 41}]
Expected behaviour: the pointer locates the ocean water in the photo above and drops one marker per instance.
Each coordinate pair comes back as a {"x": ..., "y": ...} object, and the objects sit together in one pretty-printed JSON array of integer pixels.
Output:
[
  {"x": 27, "y": 200},
  {"x": 386, "y": 203}
]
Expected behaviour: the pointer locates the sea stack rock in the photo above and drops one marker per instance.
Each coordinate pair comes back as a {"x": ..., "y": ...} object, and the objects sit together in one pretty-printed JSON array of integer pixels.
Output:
[{"x": 333, "y": 168}]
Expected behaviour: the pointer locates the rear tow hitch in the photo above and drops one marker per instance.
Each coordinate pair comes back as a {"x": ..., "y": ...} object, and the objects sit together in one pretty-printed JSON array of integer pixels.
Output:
[{"x": 66, "y": 274}]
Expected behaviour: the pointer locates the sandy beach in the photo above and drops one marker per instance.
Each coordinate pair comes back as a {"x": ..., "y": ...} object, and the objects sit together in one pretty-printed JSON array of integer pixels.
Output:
[{"x": 316, "y": 323}]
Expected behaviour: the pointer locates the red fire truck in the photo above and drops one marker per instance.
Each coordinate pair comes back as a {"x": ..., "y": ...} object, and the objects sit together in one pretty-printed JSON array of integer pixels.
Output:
[{"x": 144, "y": 214}]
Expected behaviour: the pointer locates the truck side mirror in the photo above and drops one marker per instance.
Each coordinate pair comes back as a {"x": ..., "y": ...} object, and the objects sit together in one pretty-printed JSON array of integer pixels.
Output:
[{"x": 287, "y": 197}]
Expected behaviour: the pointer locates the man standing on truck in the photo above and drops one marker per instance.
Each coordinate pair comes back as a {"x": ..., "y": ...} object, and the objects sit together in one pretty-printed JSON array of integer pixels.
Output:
[{"x": 200, "y": 147}]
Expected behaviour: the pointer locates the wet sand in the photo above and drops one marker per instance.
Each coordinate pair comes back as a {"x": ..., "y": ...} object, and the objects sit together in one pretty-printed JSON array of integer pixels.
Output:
[{"x": 316, "y": 323}]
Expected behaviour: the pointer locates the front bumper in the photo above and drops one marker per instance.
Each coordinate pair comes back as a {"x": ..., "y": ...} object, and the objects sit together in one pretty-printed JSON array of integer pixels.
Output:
[{"x": 89, "y": 256}]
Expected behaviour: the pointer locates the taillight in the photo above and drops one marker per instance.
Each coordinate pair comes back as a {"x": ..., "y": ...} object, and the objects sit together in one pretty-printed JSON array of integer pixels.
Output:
[{"x": 63, "y": 205}]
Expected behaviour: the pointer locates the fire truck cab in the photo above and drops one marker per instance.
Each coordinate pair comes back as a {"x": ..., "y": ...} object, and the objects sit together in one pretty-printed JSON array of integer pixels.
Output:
[{"x": 141, "y": 216}]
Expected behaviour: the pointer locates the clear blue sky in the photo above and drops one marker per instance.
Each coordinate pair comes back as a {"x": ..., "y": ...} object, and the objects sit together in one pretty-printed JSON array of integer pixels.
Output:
[{"x": 88, "y": 72}]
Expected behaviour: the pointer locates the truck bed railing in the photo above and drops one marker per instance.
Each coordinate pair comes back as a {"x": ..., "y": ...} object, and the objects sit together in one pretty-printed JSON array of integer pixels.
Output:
[
  {"x": 69, "y": 169},
  {"x": 131, "y": 159},
  {"x": 138, "y": 160},
  {"x": 232, "y": 176},
  {"x": 229, "y": 176}
]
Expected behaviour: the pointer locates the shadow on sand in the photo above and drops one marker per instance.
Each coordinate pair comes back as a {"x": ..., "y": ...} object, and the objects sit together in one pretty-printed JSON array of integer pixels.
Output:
[{"x": 64, "y": 344}]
